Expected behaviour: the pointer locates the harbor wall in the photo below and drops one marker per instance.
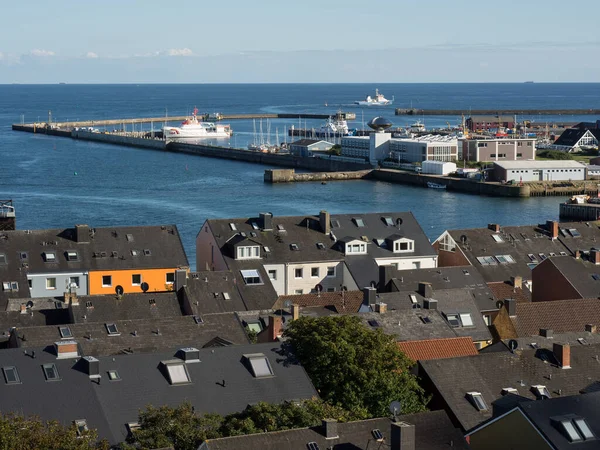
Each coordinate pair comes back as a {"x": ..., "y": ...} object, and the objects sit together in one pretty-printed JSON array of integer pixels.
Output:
[
  {"x": 117, "y": 139},
  {"x": 494, "y": 112},
  {"x": 575, "y": 211},
  {"x": 269, "y": 159},
  {"x": 41, "y": 130},
  {"x": 290, "y": 176}
]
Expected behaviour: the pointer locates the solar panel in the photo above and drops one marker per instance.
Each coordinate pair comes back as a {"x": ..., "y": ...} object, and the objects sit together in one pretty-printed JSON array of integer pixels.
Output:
[
  {"x": 312, "y": 446},
  {"x": 374, "y": 323},
  {"x": 573, "y": 232},
  {"x": 377, "y": 434}
]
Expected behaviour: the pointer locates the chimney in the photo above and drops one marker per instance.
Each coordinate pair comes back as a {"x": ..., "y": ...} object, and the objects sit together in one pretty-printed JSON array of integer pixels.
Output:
[
  {"x": 180, "y": 279},
  {"x": 590, "y": 328},
  {"x": 369, "y": 296},
  {"x": 546, "y": 332},
  {"x": 274, "y": 328},
  {"x": 511, "y": 306},
  {"x": 494, "y": 227},
  {"x": 517, "y": 282},
  {"x": 91, "y": 366},
  {"x": 386, "y": 274},
  {"x": 425, "y": 290},
  {"x": 577, "y": 254},
  {"x": 562, "y": 352},
  {"x": 595, "y": 256},
  {"x": 266, "y": 221},
  {"x": 429, "y": 303},
  {"x": 325, "y": 222},
  {"x": 381, "y": 307},
  {"x": 82, "y": 233},
  {"x": 295, "y": 312},
  {"x": 403, "y": 436},
  {"x": 23, "y": 308},
  {"x": 189, "y": 354},
  {"x": 330, "y": 429},
  {"x": 552, "y": 226},
  {"x": 66, "y": 349}
]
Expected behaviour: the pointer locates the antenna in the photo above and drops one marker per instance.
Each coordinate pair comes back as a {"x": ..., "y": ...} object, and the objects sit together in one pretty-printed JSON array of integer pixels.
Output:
[{"x": 395, "y": 408}]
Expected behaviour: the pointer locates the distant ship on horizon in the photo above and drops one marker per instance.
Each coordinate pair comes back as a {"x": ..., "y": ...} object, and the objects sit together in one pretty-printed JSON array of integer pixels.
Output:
[{"x": 529, "y": 82}]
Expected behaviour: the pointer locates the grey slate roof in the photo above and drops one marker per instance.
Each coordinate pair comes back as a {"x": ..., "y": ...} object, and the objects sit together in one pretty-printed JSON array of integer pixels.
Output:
[
  {"x": 39, "y": 311},
  {"x": 408, "y": 325},
  {"x": 571, "y": 136},
  {"x": 433, "y": 431},
  {"x": 200, "y": 289},
  {"x": 174, "y": 331},
  {"x": 108, "y": 308},
  {"x": 489, "y": 373},
  {"x": 109, "y": 405},
  {"x": 164, "y": 243}
]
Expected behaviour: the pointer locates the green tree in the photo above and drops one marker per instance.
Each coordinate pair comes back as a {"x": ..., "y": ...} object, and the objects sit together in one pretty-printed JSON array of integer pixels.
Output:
[
  {"x": 554, "y": 154},
  {"x": 354, "y": 367},
  {"x": 18, "y": 432},
  {"x": 335, "y": 150}
]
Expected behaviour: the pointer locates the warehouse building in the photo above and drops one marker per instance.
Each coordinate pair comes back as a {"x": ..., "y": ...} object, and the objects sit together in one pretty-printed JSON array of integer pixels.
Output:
[
  {"x": 498, "y": 149},
  {"x": 538, "y": 170},
  {"x": 489, "y": 122}
]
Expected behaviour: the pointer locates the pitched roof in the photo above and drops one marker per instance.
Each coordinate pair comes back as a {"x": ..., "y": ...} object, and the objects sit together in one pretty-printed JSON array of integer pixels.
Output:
[
  {"x": 205, "y": 291},
  {"x": 571, "y": 136},
  {"x": 307, "y": 142},
  {"x": 559, "y": 316},
  {"x": 438, "y": 348},
  {"x": 489, "y": 373},
  {"x": 433, "y": 431},
  {"x": 583, "y": 275},
  {"x": 503, "y": 290},
  {"x": 138, "y": 336},
  {"x": 342, "y": 301}
]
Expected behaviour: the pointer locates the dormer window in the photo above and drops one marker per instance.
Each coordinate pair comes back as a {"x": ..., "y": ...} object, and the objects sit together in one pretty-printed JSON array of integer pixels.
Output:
[
  {"x": 72, "y": 255},
  {"x": 477, "y": 400},
  {"x": 248, "y": 252},
  {"x": 540, "y": 391},
  {"x": 2, "y": 258},
  {"x": 403, "y": 246},
  {"x": 356, "y": 248},
  {"x": 49, "y": 257}
]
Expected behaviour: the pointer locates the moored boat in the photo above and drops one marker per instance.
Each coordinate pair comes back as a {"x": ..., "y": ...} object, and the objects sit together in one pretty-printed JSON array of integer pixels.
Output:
[
  {"x": 433, "y": 185},
  {"x": 193, "y": 128}
]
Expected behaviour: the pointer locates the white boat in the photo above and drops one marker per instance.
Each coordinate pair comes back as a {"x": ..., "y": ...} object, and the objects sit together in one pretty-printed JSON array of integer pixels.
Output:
[
  {"x": 418, "y": 127},
  {"x": 432, "y": 185},
  {"x": 337, "y": 127},
  {"x": 378, "y": 100},
  {"x": 193, "y": 128}
]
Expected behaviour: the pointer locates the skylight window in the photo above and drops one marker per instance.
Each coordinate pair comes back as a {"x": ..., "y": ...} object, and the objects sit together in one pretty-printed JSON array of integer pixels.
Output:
[
  {"x": 377, "y": 435},
  {"x": 426, "y": 320},
  {"x": 487, "y": 261},
  {"x": 335, "y": 224},
  {"x": 583, "y": 428},
  {"x": 574, "y": 428},
  {"x": 50, "y": 257},
  {"x": 540, "y": 391},
  {"x": 505, "y": 259},
  {"x": 232, "y": 226},
  {"x": 259, "y": 365},
  {"x": 532, "y": 257},
  {"x": 563, "y": 253},
  {"x": 11, "y": 376},
  {"x": 466, "y": 319},
  {"x": 497, "y": 238},
  {"x": 134, "y": 253},
  {"x": 113, "y": 375},
  {"x": 280, "y": 227},
  {"x": 294, "y": 247},
  {"x": 510, "y": 390},
  {"x": 267, "y": 249},
  {"x": 147, "y": 252},
  {"x": 453, "y": 320},
  {"x": 374, "y": 323},
  {"x": 177, "y": 372},
  {"x": 573, "y": 232},
  {"x": 65, "y": 332},
  {"x": 413, "y": 299},
  {"x": 226, "y": 296},
  {"x": 388, "y": 221},
  {"x": 542, "y": 256},
  {"x": 478, "y": 401},
  {"x": 72, "y": 255},
  {"x": 320, "y": 246},
  {"x": 255, "y": 225},
  {"x": 51, "y": 372},
  {"x": 251, "y": 276},
  {"x": 312, "y": 446},
  {"x": 595, "y": 276},
  {"x": 2, "y": 258},
  {"x": 112, "y": 330},
  {"x": 129, "y": 237},
  {"x": 198, "y": 320},
  {"x": 358, "y": 222}
]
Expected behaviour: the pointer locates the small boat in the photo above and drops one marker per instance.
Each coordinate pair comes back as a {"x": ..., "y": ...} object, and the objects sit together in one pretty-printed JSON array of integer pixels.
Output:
[
  {"x": 378, "y": 100},
  {"x": 418, "y": 127},
  {"x": 193, "y": 128},
  {"x": 432, "y": 185}
]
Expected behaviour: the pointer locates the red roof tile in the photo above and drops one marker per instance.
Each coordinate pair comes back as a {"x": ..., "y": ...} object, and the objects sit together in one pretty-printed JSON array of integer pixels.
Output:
[
  {"x": 438, "y": 348},
  {"x": 561, "y": 316},
  {"x": 346, "y": 302},
  {"x": 503, "y": 290}
]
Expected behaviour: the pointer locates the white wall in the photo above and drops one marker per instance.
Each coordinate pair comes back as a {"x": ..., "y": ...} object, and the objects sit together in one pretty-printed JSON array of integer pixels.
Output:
[
  {"x": 279, "y": 283},
  {"x": 408, "y": 263},
  {"x": 308, "y": 282}
]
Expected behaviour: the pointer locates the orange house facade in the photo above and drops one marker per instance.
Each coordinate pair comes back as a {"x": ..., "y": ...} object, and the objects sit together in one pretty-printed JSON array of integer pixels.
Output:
[{"x": 103, "y": 282}]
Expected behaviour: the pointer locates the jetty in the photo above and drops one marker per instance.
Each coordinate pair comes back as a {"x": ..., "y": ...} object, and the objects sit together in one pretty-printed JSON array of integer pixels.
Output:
[{"x": 485, "y": 112}]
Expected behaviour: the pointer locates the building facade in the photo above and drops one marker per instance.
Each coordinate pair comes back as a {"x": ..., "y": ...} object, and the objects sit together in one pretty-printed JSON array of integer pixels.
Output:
[
  {"x": 305, "y": 148},
  {"x": 562, "y": 170},
  {"x": 498, "y": 149}
]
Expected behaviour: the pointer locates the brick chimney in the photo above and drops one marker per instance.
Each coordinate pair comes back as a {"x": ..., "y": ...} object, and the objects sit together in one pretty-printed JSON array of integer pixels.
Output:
[
  {"x": 66, "y": 349},
  {"x": 386, "y": 274},
  {"x": 403, "y": 436},
  {"x": 275, "y": 329},
  {"x": 325, "y": 221},
  {"x": 577, "y": 254},
  {"x": 425, "y": 289},
  {"x": 330, "y": 430},
  {"x": 23, "y": 308},
  {"x": 511, "y": 306},
  {"x": 494, "y": 227},
  {"x": 517, "y": 282},
  {"x": 82, "y": 233},
  {"x": 590, "y": 328},
  {"x": 595, "y": 256},
  {"x": 562, "y": 352},
  {"x": 552, "y": 227},
  {"x": 295, "y": 312}
]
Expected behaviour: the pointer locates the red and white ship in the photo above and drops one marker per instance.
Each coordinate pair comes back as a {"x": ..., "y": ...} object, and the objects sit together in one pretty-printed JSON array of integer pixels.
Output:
[{"x": 193, "y": 128}]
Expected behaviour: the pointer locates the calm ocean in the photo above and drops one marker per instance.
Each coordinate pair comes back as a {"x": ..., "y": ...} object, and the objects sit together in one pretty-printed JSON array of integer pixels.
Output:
[{"x": 58, "y": 182}]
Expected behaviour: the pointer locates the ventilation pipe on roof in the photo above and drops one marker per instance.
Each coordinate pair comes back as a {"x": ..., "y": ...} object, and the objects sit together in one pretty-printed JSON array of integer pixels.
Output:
[{"x": 494, "y": 227}]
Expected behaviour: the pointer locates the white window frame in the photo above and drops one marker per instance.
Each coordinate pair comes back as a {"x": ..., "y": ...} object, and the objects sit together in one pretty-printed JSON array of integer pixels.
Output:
[
  {"x": 109, "y": 284},
  {"x": 248, "y": 252},
  {"x": 312, "y": 269},
  {"x": 410, "y": 244},
  {"x": 167, "y": 278},
  {"x": 334, "y": 271},
  {"x": 251, "y": 273},
  {"x": 272, "y": 274},
  {"x": 141, "y": 279},
  {"x": 49, "y": 283},
  {"x": 296, "y": 269}
]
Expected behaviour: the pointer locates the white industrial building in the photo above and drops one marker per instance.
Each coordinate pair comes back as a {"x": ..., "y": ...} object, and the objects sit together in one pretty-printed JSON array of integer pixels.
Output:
[
  {"x": 438, "y": 167},
  {"x": 379, "y": 146},
  {"x": 561, "y": 170}
]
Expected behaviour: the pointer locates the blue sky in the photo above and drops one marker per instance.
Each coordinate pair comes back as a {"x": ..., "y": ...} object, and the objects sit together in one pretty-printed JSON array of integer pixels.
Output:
[{"x": 312, "y": 41}]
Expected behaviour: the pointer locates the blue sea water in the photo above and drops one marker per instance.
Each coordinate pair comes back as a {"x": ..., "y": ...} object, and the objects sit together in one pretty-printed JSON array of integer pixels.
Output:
[{"x": 58, "y": 182}]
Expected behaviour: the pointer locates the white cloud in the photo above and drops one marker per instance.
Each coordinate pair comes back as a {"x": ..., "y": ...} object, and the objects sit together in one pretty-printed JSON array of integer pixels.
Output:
[
  {"x": 91, "y": 55},
  {"x": 180, "y": 52},
  {"x": 40, "y": 53}
]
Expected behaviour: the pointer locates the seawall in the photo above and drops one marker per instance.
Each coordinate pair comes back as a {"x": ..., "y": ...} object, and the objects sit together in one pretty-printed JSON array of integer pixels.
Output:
[
  {"x": 290, "y": 176},
  {"x": 116, "y": 139}
]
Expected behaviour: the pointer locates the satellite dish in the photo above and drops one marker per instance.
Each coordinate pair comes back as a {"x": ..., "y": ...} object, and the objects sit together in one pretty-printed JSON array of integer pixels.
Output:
[
  {"x": 463, "y": 239},
  {"x": 373, "y": 284},
  {"x": 395, "y": 408},
  {"x": 513, "y": 345},
  {"x": 119, "y": 290},
  {"x": 29, "y": 304},
  {"x": 344, "y": 288},
  {"x": 398, "y": 221},
  {"x": 319, "y": 288},
  {"x": 499, "y": 304},
  {"x": 287, "y": 303},
  {"x": 145, "y": 287}
]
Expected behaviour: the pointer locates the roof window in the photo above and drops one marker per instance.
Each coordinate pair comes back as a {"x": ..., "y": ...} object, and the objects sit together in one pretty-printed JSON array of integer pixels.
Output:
[
  {"x": 358, "y": 222},
  {"x": 81, "y": 426},
  {"x": 540, "y": 391},
  {"x": 72, "y": 255},
  {"x": 466, "y": 319},
  {"x": 113, "y": 375},
  {"x": 280, "y": 227},
  {"x": 65, "y": 332},
  {"x": 134, "y": 253},
  {"x": 497, "y": 238},
  {"x": 453, "y": 320},
  {"x": 425, "y": 319},
  {"x": 377, "y": 435},
  {"x": 49, "y": 257},
  {"x": 509, "y": 390},
  {"x": 255, "y": 225},
  {"x": 413, "y": 299},
  {"x": 312, "y": 446},
  {"x": 477, "y": 400},
  {"x": 487, "y": 260},
  {"x": 2, "y": 258},
  {"x": 251, "y": 276},
  {"x": 11, "y": 375},
  {"x": 198, "y": 320},
  {"x": 176, "y": 372},
  {"x": 335, "y": 224},
  {"x": 294, "y": 247},
  {"x": 129, "y": 237},
  {"x": 373, "y": 323},
  {"x": 112, "y": 330},
  {"x": 320, "y": 246},
  {"x": 573, "y": 232},
  {"x": 259, "y": 365},
  {"x": 267, "y": 249},
  {"x": 51, "y": 372},
  {"x": 89, "y": 304},
  {"x": 226, "y": 296},
  {"x": 388, "y": 221},
  {"x": 147, "y": 252},
  {"x": 232, "y": 226},
  {"x": 574, "y": 428},
  {"x": 505, "y": 259},
  {"x": 23, "y": 256}
]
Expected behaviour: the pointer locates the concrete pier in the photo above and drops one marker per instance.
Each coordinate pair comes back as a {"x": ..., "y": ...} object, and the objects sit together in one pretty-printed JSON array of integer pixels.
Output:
[
  {"x": 529, "y": 112},
  {"x": 290, "y": 176}
]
